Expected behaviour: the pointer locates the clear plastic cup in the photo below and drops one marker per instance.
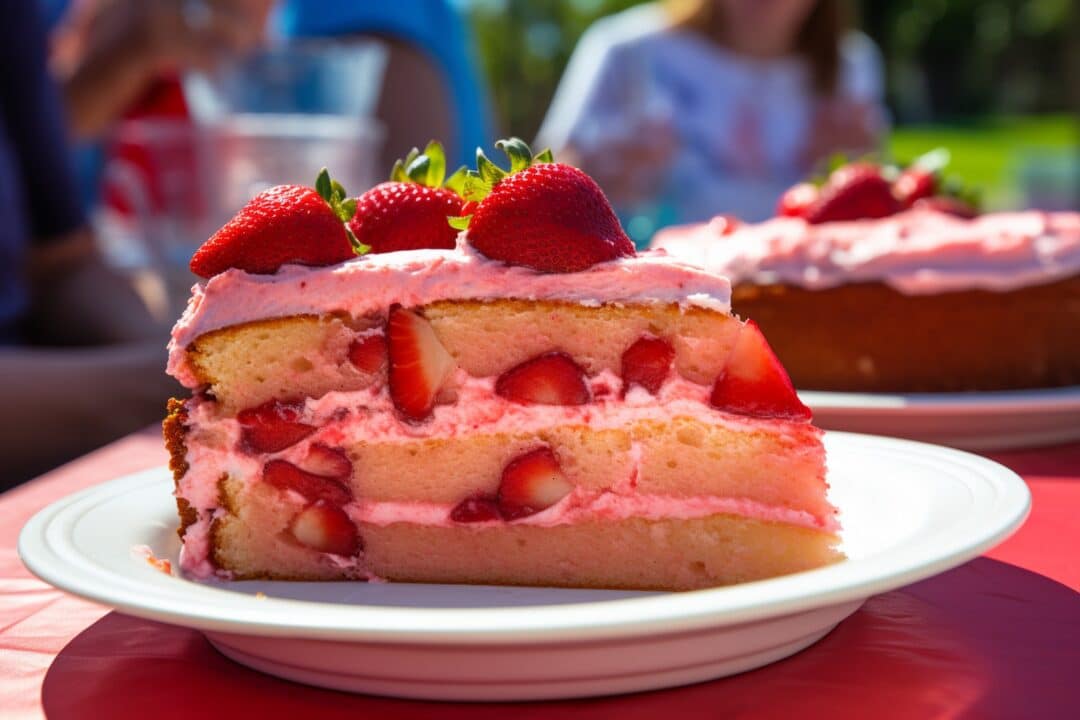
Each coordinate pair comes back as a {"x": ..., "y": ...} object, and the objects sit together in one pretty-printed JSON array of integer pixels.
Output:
[
  {"x": 281, "y": 114},
  {"x": 249, "y": 153},
  {"x": 274, "y": 118},
  {"x": 311, "y": 77}
]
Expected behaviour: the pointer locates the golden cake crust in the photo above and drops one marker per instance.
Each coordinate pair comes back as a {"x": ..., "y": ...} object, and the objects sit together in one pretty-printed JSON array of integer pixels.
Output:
[
  {"x": 297, "y": 356},
  {"x": 870, "y": 337},
  {"x": 174, "y": 428}
]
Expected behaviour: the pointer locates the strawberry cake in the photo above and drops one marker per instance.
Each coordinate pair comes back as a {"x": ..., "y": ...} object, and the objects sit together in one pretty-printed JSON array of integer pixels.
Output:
[
  {"x": 535, "y": 404},
  {"x": 879, "y": 281}
]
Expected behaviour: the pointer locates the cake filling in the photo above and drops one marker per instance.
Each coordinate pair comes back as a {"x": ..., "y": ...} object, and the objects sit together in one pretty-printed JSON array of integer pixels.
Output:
[{"x": 216, "y": 446}]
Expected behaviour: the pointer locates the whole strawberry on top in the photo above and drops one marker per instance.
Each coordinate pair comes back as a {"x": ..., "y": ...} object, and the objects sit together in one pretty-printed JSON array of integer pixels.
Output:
[
  {"x": 285, "y": 224},
  {"x": 855, "y": 191},
  {"x": 924, "y": 184},
  {"x": 541, "y": 214},
  {"x": 410, "y": 211},
  {"x": 797, "y": 200}
]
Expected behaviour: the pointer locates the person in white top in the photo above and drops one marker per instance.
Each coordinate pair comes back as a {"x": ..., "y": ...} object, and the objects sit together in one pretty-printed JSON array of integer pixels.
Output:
[{"x": 683, "y": 110}]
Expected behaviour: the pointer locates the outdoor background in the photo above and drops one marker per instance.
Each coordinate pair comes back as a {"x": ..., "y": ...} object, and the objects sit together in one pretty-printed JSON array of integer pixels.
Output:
[{"x": 995, "y": 81}]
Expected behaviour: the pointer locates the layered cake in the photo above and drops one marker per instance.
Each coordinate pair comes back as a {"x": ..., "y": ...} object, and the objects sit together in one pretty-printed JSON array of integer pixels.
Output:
[
  {"x": 536, "y": 404},
  {"x": 861, "y": 288}
]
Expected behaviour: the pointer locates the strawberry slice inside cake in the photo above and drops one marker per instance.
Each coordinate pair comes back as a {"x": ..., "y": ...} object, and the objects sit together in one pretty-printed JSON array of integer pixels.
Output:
[{"x": 487, "y": 413}]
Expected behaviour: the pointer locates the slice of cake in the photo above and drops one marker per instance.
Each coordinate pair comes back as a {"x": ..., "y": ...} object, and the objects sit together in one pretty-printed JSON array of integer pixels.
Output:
[
  {"x": 867, "y": 286},
  {"x": 537, "y": 405}
]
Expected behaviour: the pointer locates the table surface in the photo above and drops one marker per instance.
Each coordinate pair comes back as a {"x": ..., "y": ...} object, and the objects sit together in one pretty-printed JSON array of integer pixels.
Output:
[{"x": 996, "y": 637}]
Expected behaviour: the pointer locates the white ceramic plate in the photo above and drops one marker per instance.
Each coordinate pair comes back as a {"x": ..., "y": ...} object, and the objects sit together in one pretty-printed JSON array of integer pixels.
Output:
[
  {"x": 970, "y": 421},
  {"x": 909, "y": 511}
]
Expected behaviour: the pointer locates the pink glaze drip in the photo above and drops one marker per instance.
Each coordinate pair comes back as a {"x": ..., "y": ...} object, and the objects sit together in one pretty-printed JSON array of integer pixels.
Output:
[
  {"x": 916, "y": 252},
  {"x": 195, "y": 553},
  {"x": 370, "y": 284}
]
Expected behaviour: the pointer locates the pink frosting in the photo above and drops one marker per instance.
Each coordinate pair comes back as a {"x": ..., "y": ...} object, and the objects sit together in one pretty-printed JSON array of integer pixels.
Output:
[
  {"x": 915, "y": 252},
  {"x": 371, "y": 415},
  {"x": 370, "y": 284}
]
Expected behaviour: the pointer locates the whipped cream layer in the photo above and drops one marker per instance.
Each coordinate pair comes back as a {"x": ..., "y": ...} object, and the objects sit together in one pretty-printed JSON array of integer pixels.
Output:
[
  {"x": 916, "y": 252},
  {"x": 344, "y": 417},
  {"x": 606, "y": 505},
  {"x": 370, "y": 284}
]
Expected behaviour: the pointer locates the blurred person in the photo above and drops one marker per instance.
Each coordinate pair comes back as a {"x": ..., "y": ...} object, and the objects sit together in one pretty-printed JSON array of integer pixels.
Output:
[
  {"x": 123, "y": 59},
  {"x": 431, "y": 87},
  {"x": 686, "y": 109},
  {"x": 111, "y": 56},
  {"x": 80, "y": 357}
]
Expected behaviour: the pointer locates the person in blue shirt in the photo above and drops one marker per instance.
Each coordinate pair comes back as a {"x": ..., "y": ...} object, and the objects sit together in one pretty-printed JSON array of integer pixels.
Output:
[
  {"x": 80, "y": 357},
  {"x": 432, "y": 87}
]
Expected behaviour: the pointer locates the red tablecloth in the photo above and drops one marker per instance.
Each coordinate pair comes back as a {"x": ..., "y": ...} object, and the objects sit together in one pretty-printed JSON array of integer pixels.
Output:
[{"x": 997, "y": 637}]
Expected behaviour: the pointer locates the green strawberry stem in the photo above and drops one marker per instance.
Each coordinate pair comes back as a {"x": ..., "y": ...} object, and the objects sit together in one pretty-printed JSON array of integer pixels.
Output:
[
  {"x": 475, "y": 185},
  {"x": 343, "y": 206},
  {"x": 459, "y": 222},
  {"x": 954, "y": 187},
  {"x": 934, "y": 161},
  {"x": 426, "y": 168}
]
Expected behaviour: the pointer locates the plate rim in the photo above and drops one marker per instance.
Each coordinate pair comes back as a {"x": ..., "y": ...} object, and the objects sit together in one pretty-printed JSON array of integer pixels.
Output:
[
  {"x": 1031, "y": 400},
  {"x": 625, "y": 618}
]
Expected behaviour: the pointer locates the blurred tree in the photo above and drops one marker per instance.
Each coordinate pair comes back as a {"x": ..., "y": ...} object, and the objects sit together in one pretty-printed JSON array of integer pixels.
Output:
[
  {"x": 949, "y": 58},
  {"x": 524, "y": 46}
]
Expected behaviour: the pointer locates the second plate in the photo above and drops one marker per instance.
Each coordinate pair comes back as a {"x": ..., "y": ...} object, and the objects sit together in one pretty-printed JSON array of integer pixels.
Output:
[{"x": 969, "y": 421}]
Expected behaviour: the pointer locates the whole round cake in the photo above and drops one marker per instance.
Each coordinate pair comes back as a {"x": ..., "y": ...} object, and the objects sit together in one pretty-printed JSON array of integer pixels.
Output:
[{"x": 860, "y": 289}]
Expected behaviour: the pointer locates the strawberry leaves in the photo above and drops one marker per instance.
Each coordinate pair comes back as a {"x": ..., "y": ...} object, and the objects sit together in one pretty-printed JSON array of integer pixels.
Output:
[
  {"x": 343, "y": 206},
  {"x": 934, "y": 161},
  {"x": 335, "y": 196},
  {"x": 850, "y": 190},
  {"x": 475, "y": 185},
  {"x": 539, "y": 214},
  {"x": 518, "y": 151},
  {"x": 410, "y": 211},
  {"x": 489, "y": 174},
  {"x": 426, "y": 168}
]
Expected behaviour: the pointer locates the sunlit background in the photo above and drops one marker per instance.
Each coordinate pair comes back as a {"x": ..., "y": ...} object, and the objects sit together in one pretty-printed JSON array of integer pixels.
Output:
[
  {"x": 179, "y": 111},
  {"x": 997, "y": 82}
]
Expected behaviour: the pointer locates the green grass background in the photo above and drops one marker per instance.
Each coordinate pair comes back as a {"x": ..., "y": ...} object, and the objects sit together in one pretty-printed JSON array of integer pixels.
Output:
[{"x": 994, "y": 154}]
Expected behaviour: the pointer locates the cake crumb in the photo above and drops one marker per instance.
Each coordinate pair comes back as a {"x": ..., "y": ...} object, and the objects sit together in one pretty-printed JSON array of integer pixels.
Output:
[{"x": 144, "y": 552}]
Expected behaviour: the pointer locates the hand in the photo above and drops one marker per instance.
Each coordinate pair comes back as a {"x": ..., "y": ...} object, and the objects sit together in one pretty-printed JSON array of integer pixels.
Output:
[
  {"x": 842, "y": 126},
  {"x": 76, "y": 299},
  {"x": 171, "y": 34},
  {"x": 110, "y": 50},
  {"x": 68, "y": 401},
  {"x": 629, "y": 167}
]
